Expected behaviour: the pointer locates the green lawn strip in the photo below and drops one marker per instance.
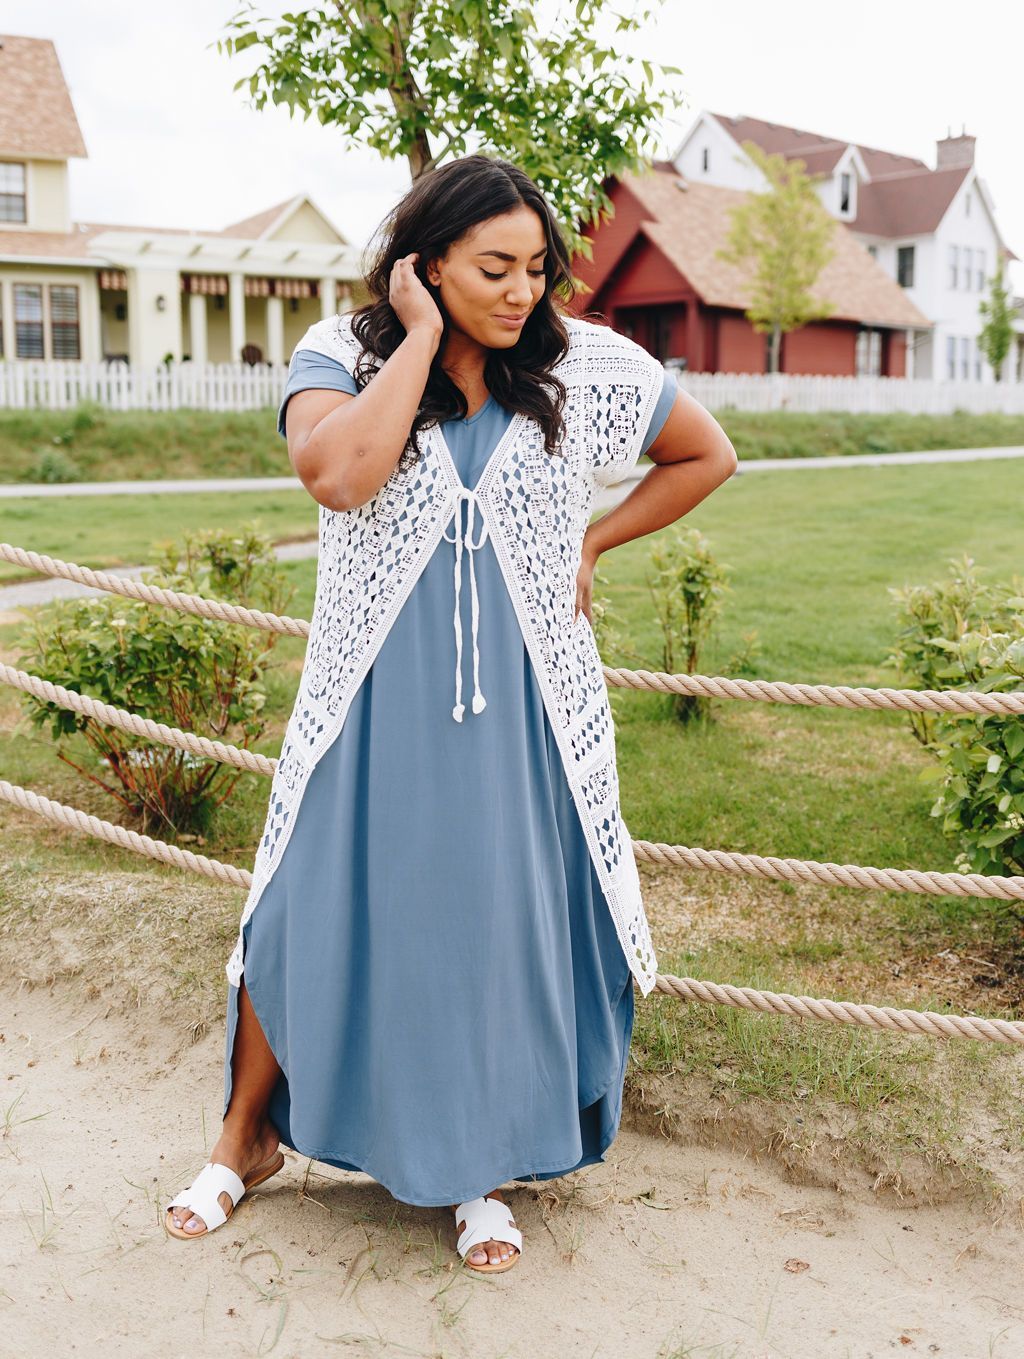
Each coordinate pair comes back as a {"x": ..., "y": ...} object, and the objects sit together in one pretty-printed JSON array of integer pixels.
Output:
[{"x": 92, "y": 444}]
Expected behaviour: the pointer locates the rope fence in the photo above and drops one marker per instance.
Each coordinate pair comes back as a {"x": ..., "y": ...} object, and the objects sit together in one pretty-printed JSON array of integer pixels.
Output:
[{"x": 919, "y": 1023}]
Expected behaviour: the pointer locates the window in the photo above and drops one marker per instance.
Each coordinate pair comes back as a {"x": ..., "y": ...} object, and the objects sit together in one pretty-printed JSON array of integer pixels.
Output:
[
  {"x": 980, "y": 255},
  {"x": 977, "y": 361},
  {"x": 967, "y": 205},
  {"x": 954, "y": 264},
  {"x": 873, "y": 251},
  {"x": 905, "y": 266},
  {"x": 951, "y": 357},
  {"x": 869, "y": 353},
  {"x": 12, "y": 192},
  {"x": 844, "y": 192},
  {"x": 28, "y": 320},
  {"x": 64, "y": 321},
  {"x": 968, "y": 263},
  {"x": 965, "y": 356},
  {"x": 705, "y": 159}
]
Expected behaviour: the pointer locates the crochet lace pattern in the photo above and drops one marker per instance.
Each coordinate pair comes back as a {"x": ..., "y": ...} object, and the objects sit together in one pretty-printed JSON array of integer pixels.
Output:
[{"x": 536, "y": 507}]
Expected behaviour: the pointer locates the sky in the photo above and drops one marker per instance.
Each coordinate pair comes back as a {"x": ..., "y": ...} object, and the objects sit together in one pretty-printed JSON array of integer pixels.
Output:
[{"x": 171, "y": 144}]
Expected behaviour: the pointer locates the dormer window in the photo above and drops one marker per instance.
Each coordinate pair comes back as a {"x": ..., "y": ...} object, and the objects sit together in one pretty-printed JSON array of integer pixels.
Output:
[
  {"x": 844, "y": 192},
  {"x": 12, "y": 192}
]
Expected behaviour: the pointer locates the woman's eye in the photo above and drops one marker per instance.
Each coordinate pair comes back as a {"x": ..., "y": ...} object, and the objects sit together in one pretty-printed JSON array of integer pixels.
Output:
[{"x": 534, "y": 273}]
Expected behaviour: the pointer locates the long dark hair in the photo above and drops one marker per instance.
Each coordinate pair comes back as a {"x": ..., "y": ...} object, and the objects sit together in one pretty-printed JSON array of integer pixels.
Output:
[{"x": 442, "y": 206}]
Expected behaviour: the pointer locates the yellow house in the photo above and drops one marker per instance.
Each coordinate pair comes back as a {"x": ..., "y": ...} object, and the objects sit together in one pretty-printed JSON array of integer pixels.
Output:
[{"x": 93, "y": 291}]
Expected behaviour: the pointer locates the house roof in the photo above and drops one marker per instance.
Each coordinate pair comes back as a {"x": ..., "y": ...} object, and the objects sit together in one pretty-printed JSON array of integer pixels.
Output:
[
  {"x": 688, "y": 223},
  {"x": 37, "y": 117},
  {"x": 69, "y": 246},
  {"x": 795, "y": 141},
  {"x": 73, "y": 246},
  {"x": 902, "y": 197},
  {"x": 260, "y": 223}
]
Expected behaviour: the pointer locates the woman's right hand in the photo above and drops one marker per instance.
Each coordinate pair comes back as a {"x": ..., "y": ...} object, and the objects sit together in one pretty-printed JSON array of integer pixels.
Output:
[{"x": 411, "y": 301}]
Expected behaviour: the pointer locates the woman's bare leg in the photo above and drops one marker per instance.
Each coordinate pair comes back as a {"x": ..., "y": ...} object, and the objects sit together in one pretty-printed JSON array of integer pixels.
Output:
[{"x": 248, "y": 1137}]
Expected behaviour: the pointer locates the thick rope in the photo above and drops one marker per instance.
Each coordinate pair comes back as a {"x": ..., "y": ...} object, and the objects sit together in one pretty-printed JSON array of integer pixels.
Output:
[
  {"x": 678, "y": 856},
  {"x": 137, "y": 726},
  {"x": 835, "y": 875},
  {"x": 927, "y": 1023},
  {"x": 818, "y": 695},
  {"x": 711, "y": 686},
  {"x": 73, "y": 819},
  {"x": 152, "y": 594}
]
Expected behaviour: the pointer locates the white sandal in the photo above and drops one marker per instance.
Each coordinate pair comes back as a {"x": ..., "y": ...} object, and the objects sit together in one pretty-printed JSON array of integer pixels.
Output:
[
  {"x": 202, "y": 1197},
  {"x": 488, "y": 1219}
]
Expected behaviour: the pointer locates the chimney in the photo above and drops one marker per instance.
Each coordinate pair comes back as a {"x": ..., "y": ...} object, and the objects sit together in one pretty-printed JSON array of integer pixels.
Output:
[{"x": 950, "y": 150}]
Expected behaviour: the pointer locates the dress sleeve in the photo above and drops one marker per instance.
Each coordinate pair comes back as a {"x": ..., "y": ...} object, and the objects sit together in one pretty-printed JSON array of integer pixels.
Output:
[
  {"x": 620, "y": 403},
  {"x": 670, "y": 390},
  {"x": 310, "y": 369}
]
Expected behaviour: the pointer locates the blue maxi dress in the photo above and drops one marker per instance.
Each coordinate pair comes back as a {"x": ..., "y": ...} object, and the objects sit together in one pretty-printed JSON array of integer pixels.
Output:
[{"x": 433, "y": 961}]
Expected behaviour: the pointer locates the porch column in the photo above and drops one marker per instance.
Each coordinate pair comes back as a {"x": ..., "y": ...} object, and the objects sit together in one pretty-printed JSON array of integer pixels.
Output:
[
  {"x": 328, "y": 298},
  {"x": 236, "y": 315},
  {"x": 197, "y": 327},
  {"x": 7, "y": 313},
  {"x": 275, "y": 330}
]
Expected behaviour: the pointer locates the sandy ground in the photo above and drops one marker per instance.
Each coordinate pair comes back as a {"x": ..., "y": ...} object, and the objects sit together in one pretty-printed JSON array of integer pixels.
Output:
[{"x": 665, "y": 1250}]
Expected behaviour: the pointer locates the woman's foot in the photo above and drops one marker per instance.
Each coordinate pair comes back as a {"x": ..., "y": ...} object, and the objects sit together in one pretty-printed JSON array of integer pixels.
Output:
[
  {"x": 487, "y": 1252},
  {"x": 240, "y": 1152}
]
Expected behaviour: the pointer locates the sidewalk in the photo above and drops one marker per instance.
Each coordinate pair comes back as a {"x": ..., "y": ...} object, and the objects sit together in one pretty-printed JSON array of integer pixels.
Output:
[{"x": 18, "y": 490}]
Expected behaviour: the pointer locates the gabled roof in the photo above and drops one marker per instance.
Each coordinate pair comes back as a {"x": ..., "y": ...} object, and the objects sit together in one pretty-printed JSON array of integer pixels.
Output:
[
  {"x": 902, "y": 195},
  {"x": 795, "y": 141},
  {"x": 260, "y": 223},
  {"x": 689, "y": 222},
  {"x": 37, "y": 117},
  {"x": 272, "y": 222}
]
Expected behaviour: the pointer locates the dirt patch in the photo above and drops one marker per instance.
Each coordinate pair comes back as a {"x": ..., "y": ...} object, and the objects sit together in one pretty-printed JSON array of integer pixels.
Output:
[{"x": 667, "y": 1248}]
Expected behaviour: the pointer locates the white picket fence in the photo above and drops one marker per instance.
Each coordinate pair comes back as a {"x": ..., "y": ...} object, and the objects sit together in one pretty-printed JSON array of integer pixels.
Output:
[
  {"x": 56, "y": 385},
  {"x": 800, "y": 392}
]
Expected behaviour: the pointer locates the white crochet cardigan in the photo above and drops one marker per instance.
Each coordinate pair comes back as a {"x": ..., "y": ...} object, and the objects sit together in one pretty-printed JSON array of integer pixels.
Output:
[{"x": 536, "y": 507}]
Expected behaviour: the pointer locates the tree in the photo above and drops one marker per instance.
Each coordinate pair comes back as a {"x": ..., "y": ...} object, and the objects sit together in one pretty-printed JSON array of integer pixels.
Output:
[
  {"x": 996, "y": 335},
  {"x": 421, "y": 78},
  {"x": 785, "y": 231}
]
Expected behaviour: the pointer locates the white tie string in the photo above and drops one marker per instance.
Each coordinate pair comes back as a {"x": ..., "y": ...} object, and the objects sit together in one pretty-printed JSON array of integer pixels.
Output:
[{"x": 469, "y": 496}]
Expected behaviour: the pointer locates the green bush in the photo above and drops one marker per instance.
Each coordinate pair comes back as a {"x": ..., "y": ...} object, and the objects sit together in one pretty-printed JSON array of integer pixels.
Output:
[
  {"x": 966, "y": 634},
  {"x": 687, "y": 587},
  {"x": 194, "y": 673}
]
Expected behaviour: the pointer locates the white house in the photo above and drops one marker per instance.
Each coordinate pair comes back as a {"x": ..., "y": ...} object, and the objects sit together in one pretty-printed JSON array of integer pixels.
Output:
[
  {"x": 93, "y": 291},
  {"x": 933, "y": 230}
]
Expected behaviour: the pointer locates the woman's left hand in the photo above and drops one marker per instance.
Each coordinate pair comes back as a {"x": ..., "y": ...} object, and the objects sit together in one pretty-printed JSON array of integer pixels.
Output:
[{"x": 585, "y": 586}]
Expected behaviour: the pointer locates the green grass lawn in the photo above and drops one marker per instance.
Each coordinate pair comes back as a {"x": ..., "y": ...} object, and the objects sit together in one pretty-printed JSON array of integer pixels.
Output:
[
  {"x": 90, "y": 443},
  {"x": 811, "y": 557}
]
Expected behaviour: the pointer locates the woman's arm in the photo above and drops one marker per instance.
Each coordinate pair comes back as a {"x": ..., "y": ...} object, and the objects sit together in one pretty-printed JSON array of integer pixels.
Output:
[
  {"x": 693, "y": 456},
  {"x": 344, "y": 447}
]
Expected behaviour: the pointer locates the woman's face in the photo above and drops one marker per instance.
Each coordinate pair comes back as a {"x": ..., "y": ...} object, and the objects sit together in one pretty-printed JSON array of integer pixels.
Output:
[{"x": 496, "y": 269}]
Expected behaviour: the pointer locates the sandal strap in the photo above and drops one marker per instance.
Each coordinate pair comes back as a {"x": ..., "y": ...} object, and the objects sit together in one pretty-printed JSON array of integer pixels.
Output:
[
  {"x": 486, "y": 1219},
  {"x": 202, "y": 1196}
]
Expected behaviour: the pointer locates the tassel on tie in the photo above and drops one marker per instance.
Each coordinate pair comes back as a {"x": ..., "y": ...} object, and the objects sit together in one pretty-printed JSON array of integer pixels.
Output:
[{"x": 460, "y": 541}]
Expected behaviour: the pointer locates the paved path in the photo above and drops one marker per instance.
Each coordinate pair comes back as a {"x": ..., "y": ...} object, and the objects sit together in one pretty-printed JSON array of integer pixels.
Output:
[
  {"x": 39, "y": 591},
  {"x": 20, "y": 490}
]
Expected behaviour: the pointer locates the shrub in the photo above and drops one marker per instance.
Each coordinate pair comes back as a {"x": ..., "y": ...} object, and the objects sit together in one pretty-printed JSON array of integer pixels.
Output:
[
  {"x": 194, "y": 673},
  {"x": 967, "y": 635},
  {"x": 687, "y": 587}
]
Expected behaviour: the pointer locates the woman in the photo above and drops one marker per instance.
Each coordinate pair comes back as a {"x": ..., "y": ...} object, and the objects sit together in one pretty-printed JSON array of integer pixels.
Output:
[{"x": 437, "y": 982}]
